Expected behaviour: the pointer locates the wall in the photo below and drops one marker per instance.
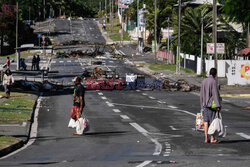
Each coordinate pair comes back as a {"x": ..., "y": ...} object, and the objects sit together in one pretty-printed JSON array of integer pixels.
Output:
[{"x": 236, "y": 71}]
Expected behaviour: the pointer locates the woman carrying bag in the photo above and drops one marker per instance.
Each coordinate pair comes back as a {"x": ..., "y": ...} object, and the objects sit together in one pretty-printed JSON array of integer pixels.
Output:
[{"x": 8, "y": 80}]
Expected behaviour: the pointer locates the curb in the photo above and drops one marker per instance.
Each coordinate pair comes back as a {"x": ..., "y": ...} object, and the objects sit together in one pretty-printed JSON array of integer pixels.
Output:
[
  {"x": 235, "y": 95},
  {"x": 11, "y": 148},
  {"x": 21, "y": 143}
]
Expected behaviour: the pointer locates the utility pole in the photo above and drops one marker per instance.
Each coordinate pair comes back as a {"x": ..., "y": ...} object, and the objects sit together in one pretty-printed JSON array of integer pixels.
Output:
[
  {"x": 201, "y": 44},
  {"x": 122, "y": 24},
  {"x": 17, "y": 52},
  {"x": 44, "y": 10},
  {"x": 168, "y": 41},
  {"x": 215, "y": 33},
  {"x": 138, "y": 20},
  {"x": 179, "y": 40},
  {"x": 155, "y": 34},
  {"x": 112, "y": 13},
  {"x": 105, "y": 11}
]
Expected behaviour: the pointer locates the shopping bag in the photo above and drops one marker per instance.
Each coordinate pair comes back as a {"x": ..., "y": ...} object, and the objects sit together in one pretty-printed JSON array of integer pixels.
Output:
[
  {"x": 72, "y": 123},
  {"x": 217, "y": 127},
  {"x": 199, "y": 123},
  {"x": 82, "y": 125}
]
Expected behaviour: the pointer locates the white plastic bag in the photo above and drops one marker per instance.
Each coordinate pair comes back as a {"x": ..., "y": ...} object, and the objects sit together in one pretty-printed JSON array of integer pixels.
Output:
[
  {"x": 82, "y": 125},
  {"x": 72, "y": 123},
  {"x": 217, "y": 128}
]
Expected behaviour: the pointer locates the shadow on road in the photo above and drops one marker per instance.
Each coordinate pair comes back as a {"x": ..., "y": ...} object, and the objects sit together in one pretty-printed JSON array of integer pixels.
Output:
[{"x": 234, "y": 141}]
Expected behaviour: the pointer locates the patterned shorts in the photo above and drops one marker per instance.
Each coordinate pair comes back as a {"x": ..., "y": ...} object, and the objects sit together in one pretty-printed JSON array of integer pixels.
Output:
[{"x": 208, "y": 115}]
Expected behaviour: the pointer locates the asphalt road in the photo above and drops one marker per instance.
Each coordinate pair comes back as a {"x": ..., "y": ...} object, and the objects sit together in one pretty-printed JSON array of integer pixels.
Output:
[{"x": 131, "y": 128}]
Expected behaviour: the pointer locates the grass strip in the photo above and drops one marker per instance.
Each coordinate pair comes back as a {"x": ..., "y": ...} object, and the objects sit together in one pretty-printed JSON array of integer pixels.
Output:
[
  {"x": 170, "y": 67},
  {"x": 6, "y": 141},
  {"x": 16, "y": 110}
]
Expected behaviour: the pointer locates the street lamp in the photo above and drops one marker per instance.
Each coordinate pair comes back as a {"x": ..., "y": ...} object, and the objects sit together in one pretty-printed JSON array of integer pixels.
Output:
[
  {"x": 155, "y": 34},
  {"x": 179, "y": 38},
  {"x": 215, "y": 32},
  {"x": 17, "y": 53},
  {"x": 201, "y": 45}
]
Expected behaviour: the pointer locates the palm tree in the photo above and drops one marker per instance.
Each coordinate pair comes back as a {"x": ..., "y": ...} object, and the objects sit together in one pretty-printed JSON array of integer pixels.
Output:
[{"x": 191, "y": 28}]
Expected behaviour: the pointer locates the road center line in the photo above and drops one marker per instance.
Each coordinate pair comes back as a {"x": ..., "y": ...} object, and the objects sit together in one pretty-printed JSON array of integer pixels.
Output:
[
  {"x": 104, "y": 98},
  {"x": 158, "y": 146},
  {"x": 109, "y": 104},
  {"x": 100, "y": 94},
  {"x": 116, "y": 110},
  {"x": 173, "y": 128},
  {"x": 159, "y": 108},
  {"x": 243, "y": 135},
  {"x": 172, "y": 107},
  {"x": 144, "y": 164},
  {"x": 124, "y": 117}
]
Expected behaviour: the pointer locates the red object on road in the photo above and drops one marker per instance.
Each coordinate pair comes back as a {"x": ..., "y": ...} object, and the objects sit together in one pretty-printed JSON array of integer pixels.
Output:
[
  {"x": 43, "y": 37},
  {"x": 245, "y": 51}
]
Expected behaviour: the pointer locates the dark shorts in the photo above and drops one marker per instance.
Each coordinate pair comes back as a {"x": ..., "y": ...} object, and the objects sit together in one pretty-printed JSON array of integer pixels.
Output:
[{"x": 208, "y": 115}]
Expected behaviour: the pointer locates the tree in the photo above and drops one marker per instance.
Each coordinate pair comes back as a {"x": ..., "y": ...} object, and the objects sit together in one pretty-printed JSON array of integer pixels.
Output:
[
  {"x": 238, "y": 11},
  {"x": 191, "y": 28}
]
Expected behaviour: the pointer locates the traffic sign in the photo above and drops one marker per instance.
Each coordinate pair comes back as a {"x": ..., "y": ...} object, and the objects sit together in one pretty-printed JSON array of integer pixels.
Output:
[
  {"x": 43, "y": 37},
  {"x": 39, "y": 35},
  {"x": 220, "y": 48}
]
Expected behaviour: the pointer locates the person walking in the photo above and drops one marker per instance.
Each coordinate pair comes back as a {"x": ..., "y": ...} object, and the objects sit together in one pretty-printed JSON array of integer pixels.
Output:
[
  {"x": 209, "y": 94},
  {"x": 37, "y": 62},
  {"x": 33, "y": 66},
  {"x": 78, "y": 100},
  {"x": 8, "y": 80},
  {"x": 8, "y": 62}
]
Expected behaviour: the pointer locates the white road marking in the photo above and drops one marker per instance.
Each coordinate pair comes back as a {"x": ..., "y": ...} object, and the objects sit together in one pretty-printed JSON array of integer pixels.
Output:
[
  {"x": 53, "y": 62},
  {"x": 109, "y": 104},
  {"x": 173, "y": 128},
  {"x": 124, "y": 117},
  {"x": 138, "y": 90},
  {"x": 225, "y": 100},
  {"x": 116, "y": 110},
  {"x": 158, "y": 146},
  {"x": 100, "y": 94},
  {"x": 162, "y": 102},
  {"x": 151, "y": 97},
  {"x": 140, "y": 106},
  {"x": 144, "y": 94},
  {"x": 104, "y": 98},
  {"x": 172, "y": 107},
  {"x": 243, "y": 135},
  {"x": 61, "y": 61},
  {"x": 69, "y": 61},
  {"x": 144, "y": 164}
]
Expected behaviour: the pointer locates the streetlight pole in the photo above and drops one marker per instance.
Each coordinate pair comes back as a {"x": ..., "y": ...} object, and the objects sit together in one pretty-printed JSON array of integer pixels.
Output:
[
  {"x": 179, "y": 39},
  {"x": 168, "y": 41},
  {"x": 17, "y": 52},
  {"x": 155, "y": 34},
  {"x": 201, "y": 44},
  {"x": 215, "y": 33}
]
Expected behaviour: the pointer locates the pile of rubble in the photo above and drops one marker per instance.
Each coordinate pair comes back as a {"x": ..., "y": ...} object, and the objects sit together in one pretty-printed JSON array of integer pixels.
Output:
[
  {"x": 179, "y": 85},
  {"x": 36, "y": 86}
]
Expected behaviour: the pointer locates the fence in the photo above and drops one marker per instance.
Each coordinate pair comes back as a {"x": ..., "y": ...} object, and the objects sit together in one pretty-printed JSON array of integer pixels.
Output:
[{"x": 168, "y": 57}]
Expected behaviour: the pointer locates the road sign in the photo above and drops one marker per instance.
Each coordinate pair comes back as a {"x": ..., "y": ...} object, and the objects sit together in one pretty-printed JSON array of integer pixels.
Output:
[
  {"x": 39, "y": 35},
  {"x": 43, "y": 37},
  {"x": 220, "y": 49}
]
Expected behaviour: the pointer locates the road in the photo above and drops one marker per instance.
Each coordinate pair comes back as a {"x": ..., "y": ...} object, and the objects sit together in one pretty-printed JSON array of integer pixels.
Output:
[{"x": 131, "y": 128}]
